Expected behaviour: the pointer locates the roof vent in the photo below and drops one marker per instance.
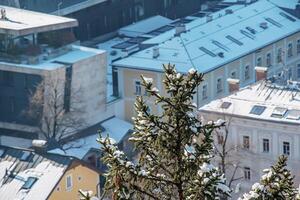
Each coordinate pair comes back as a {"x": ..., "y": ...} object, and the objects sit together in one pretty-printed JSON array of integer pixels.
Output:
[
  {"x": 39, "y": 145},
  {"x": 209, "y": 18},
  {"x": 228, "y": 11},
  {"x": 221, "y": 54},
  {"x": 3, "y": 14},
  {"x": 180, "y": 28},
  {"x": 155, "y": 52},
  {"x": 263, "y": 25}
]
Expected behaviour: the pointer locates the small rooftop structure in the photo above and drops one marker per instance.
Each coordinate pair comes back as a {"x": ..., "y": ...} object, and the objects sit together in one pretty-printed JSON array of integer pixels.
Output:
[
  {"x": 19, "y": 22},
  {"x": 267, "y": 100}
]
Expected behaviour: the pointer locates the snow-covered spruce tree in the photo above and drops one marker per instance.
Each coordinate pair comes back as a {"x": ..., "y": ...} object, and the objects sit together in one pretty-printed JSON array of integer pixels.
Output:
[
  {"x": 275, "y": 184},
  {"x": 174, "y": 148}
]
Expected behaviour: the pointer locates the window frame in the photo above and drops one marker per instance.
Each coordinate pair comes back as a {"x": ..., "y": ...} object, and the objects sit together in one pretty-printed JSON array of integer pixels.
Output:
[
  {"x": 266, "y": 145},
  {"x": 137, "y": 87},
  {"x": 69, "y": 177},
  {"x": 247, "y": 173},
  {"x": 286, "y": 148},
  {"x": 246, "y": 142}
]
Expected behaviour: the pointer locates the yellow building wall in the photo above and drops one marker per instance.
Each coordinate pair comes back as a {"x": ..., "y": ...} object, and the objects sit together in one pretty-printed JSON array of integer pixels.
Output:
[{"x": 83, "y": 178}]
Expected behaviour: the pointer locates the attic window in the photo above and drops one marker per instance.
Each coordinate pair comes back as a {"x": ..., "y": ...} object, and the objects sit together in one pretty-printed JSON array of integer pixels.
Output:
[
  {"x": 275, "y": 23},
  {"x": 279, "y": 112},
  {"x": 29, "y": 183},
  {"x": 205, "y": 50},
  {"x": 232, "y": 39},
  {"x": 25, "y": 156},
  {"x": 257, "y": 110},
  {"x": 293, "y": 114},
  {"x": 287, "y": 16},
  {"x": 225, "y": 105}
]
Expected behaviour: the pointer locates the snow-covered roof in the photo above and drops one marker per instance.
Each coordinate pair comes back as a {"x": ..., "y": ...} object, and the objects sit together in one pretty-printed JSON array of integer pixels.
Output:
[
  {"x": 262, "y": 100},
  {"x": 145, "y": 26},
  {"x": 291, "y": 4},
  {"x": 115, "y": 127},
  {"x": 23, "y": 22},
  {"x": 209, "y": 45},
  {"x": 20, "y": 166},
  {"x": 75, "y": 54}
]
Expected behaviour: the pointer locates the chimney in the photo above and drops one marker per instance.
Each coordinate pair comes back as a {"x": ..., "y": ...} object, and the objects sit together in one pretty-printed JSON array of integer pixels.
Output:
[
  {"x": 234, "y": 85},
  {"x": 39, "y": 145},
  {"x": 209, "y": 18},
  {"x": 155, "y": 52},
  {"x": 260, "y": 73},
  {"x": 180, "y": 28}
]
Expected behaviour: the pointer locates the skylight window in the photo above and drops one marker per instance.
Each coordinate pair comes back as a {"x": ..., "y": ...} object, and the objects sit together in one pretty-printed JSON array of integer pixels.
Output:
[
  {"x": 287, "y": 16},
  {"x": 275, "y": 23},
  {"x": 232, "y": 39},
  {"x": 257, "y": 110},
  {"x": 251, "y": 30},
  {"x": 225, "y": 105},
  {"x": 249, "y": 35},
  {"x": 293, "y": 114},
  {"x": 29, "y": 183},
  {"x": 25, "y": 156},
  {"x": 220, "y": 45},
  {"x": 279, "y": 112},
  {"x": 205, "y": 50},
  {"x": 2, "y": 151}
]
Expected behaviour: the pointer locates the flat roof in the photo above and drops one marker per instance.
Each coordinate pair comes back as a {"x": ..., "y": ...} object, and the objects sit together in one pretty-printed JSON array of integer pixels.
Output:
[
  {"x": 262, "y": 100},
  {"x": 21, "y": 22},
  {"x": 209, "y": 45}
]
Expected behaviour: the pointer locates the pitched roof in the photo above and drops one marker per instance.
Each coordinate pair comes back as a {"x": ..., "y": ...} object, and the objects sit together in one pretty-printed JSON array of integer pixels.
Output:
[
  {"x": 264, "y": 100},
  {"x": 209, "y": 45},
  {"x": 18, "y": 165}
]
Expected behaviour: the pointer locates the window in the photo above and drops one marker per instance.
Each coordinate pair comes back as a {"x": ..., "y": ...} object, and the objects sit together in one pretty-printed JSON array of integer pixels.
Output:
[
  {"x": 247, "y": 72},
  {"x": 293, "y": 114},
  {"x": 298, "y": 71},
  {"x": 290, "y": 74},
  {"x": 257, "y": 110},
  {"x": 25, "y": 156},
  {"x": 268, "y": 60},
  {"x": 204, "y": 92},
  {"x": 225, "y": 105},
  {"x": 279, "y": 112},
  {"x": 220, "y": 138},
  {"x": 266, "y": 145},
  {"x": 29, "y": 182},
  {"x": 8, "y": 79},
  {"x": 279, "y": 55},
  {"x": 259, "y": 61},
  {"x": 246, "y": 142},
  {"x": 219, "y": 85},
  {"x": 290, "y": 50},
  {"x": 138, "y": 88},
  {"x": 298, "y": 46},
  {"x": 286, "y": 148},
  {"x": 247, "y": 173},
  {"x": 69, "y": 183},
  {"x": 233, "y": 74}
]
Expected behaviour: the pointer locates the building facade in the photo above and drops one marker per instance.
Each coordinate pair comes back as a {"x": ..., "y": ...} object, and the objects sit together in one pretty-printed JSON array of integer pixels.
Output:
[
  {"x": 40, "y": 62},
  {"x": 262, "y": 122},
  {"x": 227, "y": 44}
]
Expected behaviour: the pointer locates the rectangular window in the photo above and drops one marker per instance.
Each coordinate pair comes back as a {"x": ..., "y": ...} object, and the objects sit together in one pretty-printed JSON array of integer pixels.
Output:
[
  {"x": 290, "y": 50},
  {"x": 69, "y": 182},
  {"x": 298, "y": 71},
  {"x": 246, "y": 142},
  {"x": 298, "y": 46},
  {"x": 268, "y": 59},
  {"x": 204, "y": 92},
  {"x": 29, "y": 183},
  {"x": 266, "y": 145},
  {"x": 138, "y": 88},
  {"x": 286, "y": 148},
  {"x": 247, "y": 72},
  {"x": 259, "y": 61},
  {"x": 279, "y": 55},
  {"x": 220, "y": 138},
  {"x": 219, "y": 85},
  {"x": 247, "y": 173}
]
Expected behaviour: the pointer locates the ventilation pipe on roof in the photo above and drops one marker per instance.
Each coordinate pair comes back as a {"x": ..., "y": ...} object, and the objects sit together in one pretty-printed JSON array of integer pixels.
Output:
[
  {"x": 3, "y": 14},
  {"x": 261, "y": 73},
  {"x": 209, "y": 18},
  {"x": 228, "y": 11},
  {"x": 155, "y": 52},
  {"x": 234, "y": 85},
  {"x": 263, "y": 25},
  {"x": 180, "y": 28}
]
